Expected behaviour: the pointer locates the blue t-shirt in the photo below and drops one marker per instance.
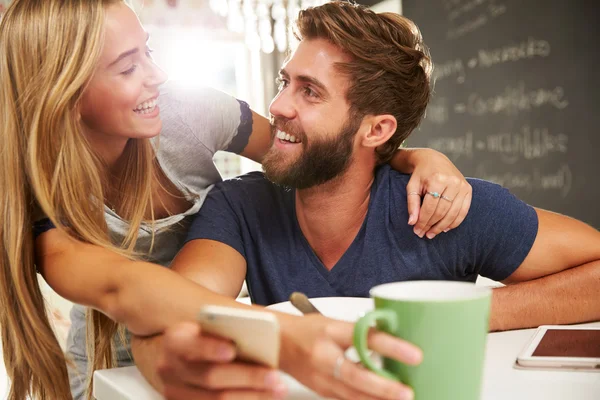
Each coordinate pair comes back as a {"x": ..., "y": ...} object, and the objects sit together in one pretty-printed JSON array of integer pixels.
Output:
[{"x": 258, "y": 219}]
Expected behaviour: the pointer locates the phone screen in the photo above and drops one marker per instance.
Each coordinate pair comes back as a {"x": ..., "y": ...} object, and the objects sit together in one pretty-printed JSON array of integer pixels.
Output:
[{"x": 569, "y": 343}]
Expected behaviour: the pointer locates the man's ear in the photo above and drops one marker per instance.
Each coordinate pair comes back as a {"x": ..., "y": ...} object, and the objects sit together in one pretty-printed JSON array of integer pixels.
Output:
[{"x": 377, "y": 129}]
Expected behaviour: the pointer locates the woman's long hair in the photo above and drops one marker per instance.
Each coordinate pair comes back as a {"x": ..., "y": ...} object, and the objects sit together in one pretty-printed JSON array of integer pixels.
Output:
[{"x": 48, "y": 53}]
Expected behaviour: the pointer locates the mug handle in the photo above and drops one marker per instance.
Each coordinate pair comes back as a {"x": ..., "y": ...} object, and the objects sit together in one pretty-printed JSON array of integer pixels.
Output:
[{"x": 360, "y": 337}]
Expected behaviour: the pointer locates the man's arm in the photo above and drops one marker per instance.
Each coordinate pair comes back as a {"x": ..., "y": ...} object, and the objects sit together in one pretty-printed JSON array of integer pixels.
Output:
[
  {"x": 213, "y": 265},
  {"x": 557, "y": 283}
]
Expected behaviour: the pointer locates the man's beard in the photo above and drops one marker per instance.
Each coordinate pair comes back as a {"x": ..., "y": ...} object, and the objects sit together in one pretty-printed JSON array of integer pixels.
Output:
[{"x": 321, "y": 160}]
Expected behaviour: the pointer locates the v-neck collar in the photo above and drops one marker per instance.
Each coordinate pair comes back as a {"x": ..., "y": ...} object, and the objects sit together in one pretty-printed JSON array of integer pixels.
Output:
[{"x": 340, "y": 265}]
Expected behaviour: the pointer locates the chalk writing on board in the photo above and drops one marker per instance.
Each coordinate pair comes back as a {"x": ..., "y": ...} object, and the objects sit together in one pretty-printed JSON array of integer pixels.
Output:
[
  {"x": 528, "y": 143},
  {"x": 476, "y": 12},
  {"x": 458, "y": 8},
  {"x": 526, "y": 49},
  {"x": 450, "y": 68},
  {"x": 513, "y": 100},
  {"x": 437, "y": 111},
  {"x": 486, "y": 58},
  {"x": 467, "y": 27},
  {"x": 454, "y": 147},
  {"x": 559, "y": 181}
]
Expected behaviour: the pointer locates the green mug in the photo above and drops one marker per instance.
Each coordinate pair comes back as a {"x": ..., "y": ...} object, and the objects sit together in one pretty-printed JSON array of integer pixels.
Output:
[{"x": 449, "y": 321}]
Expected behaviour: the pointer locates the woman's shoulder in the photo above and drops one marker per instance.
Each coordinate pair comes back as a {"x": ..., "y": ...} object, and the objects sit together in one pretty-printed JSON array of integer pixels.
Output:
[
  {"x": 181, "y": 98},
  {"x": 203, "y": 114}
]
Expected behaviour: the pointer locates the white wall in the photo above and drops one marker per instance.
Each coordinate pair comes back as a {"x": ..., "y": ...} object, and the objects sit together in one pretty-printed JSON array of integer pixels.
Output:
[{"x": 388, "y": 6}]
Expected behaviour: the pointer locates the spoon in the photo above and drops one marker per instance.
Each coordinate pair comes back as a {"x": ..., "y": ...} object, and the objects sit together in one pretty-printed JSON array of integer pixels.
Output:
[{"x": 301, "y": 302}]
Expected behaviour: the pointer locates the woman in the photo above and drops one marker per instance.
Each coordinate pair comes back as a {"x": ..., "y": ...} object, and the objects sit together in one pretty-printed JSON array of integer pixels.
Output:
[{"x": 80, "y": 101}]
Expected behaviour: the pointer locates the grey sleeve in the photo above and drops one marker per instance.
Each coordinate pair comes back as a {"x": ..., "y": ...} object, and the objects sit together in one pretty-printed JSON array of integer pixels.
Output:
[{"x": 215, "y": 119}]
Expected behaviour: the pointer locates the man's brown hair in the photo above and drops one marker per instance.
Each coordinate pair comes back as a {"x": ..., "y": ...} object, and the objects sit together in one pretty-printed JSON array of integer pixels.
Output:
[{"x": 390, "y": 67}]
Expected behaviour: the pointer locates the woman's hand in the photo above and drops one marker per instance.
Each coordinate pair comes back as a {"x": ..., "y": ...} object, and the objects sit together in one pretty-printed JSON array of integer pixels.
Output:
[
  {"x": 438, "y": 195},
  {"x": 193, "y": 365},
  {"x": 199, "y": 366},
  {"x": 313, "y": 353}
]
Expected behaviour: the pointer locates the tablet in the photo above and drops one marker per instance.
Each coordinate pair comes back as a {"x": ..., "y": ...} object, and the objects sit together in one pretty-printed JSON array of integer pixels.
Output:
[{"x": 563, "y": 347}]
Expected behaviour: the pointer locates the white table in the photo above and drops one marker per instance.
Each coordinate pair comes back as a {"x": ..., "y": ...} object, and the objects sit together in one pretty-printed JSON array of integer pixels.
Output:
[{"x": 501, "y": 380}]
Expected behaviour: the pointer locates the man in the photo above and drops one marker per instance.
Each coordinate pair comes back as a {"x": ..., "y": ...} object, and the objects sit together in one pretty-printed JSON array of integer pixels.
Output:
[{"x": 329, "y": 218}]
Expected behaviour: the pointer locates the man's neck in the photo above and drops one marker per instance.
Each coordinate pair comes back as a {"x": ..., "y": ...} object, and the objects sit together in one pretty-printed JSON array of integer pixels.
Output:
[{"x": 331, "y": 215}]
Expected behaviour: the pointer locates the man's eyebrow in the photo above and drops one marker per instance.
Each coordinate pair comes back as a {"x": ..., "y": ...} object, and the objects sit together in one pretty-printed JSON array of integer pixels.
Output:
[
  {"x": 313, "y": 81},
  {"x": 307, "y": 79},
  {"x": 127, "y": 53}
]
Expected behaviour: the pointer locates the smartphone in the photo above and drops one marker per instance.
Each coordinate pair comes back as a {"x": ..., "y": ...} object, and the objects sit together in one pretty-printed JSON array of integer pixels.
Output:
[
  {"x": 255, "y": 333},
  {"x": 563, "y": 347}
]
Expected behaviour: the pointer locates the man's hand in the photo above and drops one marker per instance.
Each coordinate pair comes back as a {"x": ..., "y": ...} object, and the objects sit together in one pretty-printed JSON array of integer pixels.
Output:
[
  {"x": 193, "y": 365},
  {"x": 443, "y": 190},
  {"x": 313, "y": 352}
]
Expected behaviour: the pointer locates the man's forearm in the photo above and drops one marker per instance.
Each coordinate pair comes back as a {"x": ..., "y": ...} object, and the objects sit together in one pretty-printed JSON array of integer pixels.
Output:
[{"x": 570, "y": 296}]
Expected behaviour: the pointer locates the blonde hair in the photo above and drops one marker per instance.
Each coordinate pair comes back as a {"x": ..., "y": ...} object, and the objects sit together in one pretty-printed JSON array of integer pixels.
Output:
[
  {"x": 390, "y": 69},
  {"x": 48, "y": 53}
]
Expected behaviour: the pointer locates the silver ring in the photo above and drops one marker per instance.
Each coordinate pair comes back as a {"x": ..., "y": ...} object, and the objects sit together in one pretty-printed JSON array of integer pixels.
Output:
[
  {"x": 435, "y": 195},
  {"x": 414, "y": 193},
  {"x": 337, "y": 370},
  {"x": 447, "y": 199}
]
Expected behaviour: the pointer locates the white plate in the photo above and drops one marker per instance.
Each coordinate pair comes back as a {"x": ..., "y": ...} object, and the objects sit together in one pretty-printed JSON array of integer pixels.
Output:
[{"x": 344, "y": 308}]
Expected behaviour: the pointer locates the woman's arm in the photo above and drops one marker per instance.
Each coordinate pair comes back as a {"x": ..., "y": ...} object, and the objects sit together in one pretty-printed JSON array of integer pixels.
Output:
[
  {"x": 145, "y": 297},
  {"x": 432, "y": 172},
  {"x": 259, "y": 141},
  {"x": 148, "y": 299}
]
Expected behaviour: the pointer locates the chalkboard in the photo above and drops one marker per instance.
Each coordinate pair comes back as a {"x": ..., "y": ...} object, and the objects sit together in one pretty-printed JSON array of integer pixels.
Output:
[{"x": 517, "y": 96}]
